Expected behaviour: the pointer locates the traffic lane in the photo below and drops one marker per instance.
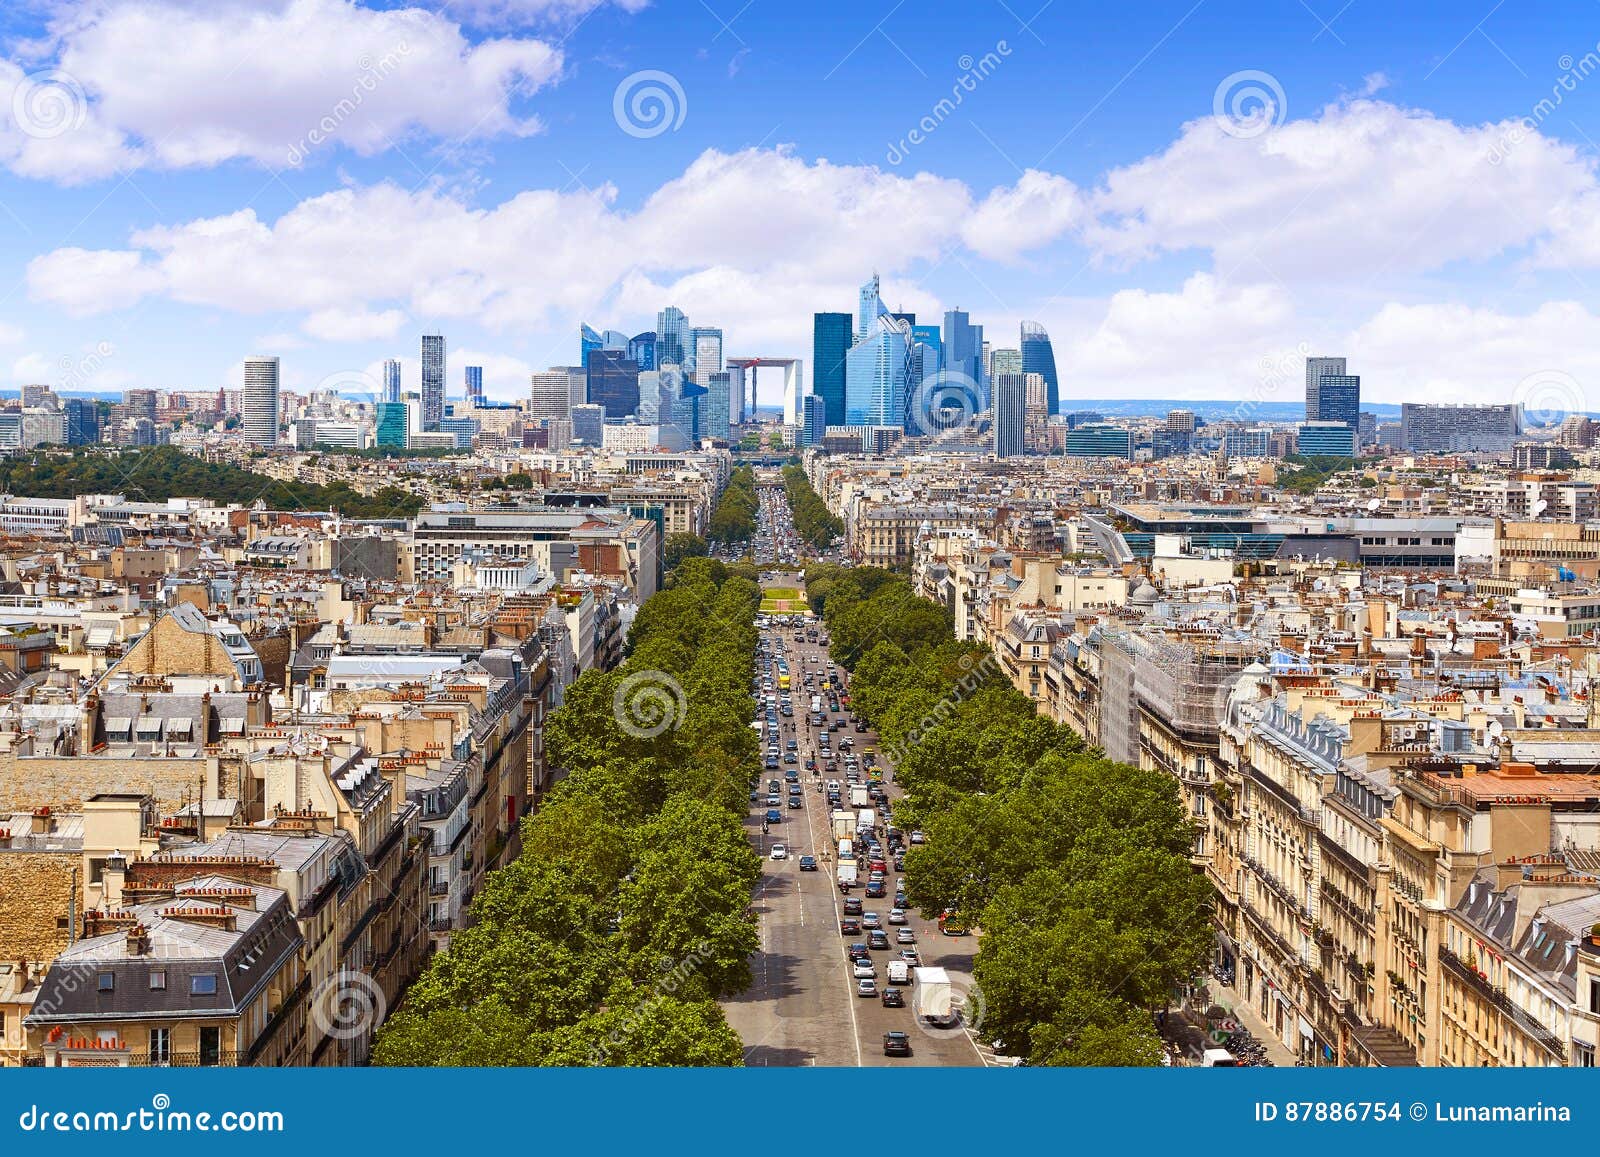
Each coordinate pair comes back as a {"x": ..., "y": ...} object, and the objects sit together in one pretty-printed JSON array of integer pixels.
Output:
[
  {"x": 788, "y": 1015},
  {"x": 929, "y": 1047}
]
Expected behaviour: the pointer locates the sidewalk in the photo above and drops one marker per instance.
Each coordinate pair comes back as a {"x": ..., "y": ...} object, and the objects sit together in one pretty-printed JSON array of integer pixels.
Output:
[{"x": 1191, "y": 1034}]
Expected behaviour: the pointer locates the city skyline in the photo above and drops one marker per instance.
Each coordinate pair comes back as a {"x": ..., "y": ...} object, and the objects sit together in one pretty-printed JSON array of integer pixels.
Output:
[{"x": 1177, "y": 235}]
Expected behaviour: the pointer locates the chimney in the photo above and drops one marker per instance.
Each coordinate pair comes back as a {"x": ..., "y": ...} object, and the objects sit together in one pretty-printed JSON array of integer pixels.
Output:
[
  {"x": 112, "y": 878},
  {"x": 42, "y": 822},
  {"x": 138, "y": 940}
]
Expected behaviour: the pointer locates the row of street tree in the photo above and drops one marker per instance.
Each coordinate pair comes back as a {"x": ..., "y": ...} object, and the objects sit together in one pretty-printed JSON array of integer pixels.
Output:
[
  {"x": 628, "y": 914},
  {"x": 1075, "y": 867}
]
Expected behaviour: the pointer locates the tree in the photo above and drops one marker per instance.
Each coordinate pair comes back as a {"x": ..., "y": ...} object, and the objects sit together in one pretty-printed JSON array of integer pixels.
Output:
[{"x": 681, "y": 546}]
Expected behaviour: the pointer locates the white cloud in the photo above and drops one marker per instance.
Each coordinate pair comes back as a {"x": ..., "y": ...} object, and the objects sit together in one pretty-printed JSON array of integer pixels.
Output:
[
  {"x": 354, "y": 325},
  {"x": 10, "y": 334},
  {"x": 1037, "y": 210},
  {"x": 497, "y": 13},
  {"x": 174, "y": 85},
  {"x": 1364, "y": 191},
  {"x": 33, "y": 367}
]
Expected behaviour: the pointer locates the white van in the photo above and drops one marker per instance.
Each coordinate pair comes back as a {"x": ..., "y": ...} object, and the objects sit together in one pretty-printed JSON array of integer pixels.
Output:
[
  {"x": 1218, "y": 1059},
  {"x": 899, "y": 972}
]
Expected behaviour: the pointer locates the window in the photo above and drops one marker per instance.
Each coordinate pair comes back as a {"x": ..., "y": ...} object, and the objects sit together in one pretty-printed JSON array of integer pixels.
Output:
[
  {"x": 160, "y": 1046},
  {"x": 1594, "y": 994},
  {"x": 203, "y": 984},
  {"x": 158, "y": 980},
  {"x": 106, "y": 981}
]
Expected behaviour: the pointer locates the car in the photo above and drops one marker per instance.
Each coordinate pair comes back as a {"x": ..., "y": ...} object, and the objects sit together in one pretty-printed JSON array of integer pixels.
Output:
[
  {"x": 789, "y": 757},
  {"x": 779, "y": 852},
  {"x": 772, "y": 785},
  {"x": 896, "y": 1044},
  {"x": 904, "y": 936},
  {"x": 773, "y": 799},
  {"x": 791, "y": 745},
  {"x": 864, "y": 969},
  {"x": 918, "y": 838},
  {"x": 878, "y": 940},
  {"x": 870, "y": 920},
  {"x": 794, "y": 789},
  {"x": 875, "y": 889},
  {"x": 808, "y": 863},
  {"x": 909, "y": 955},
  {"x": 866, "y": 986},
  {"x": 897, "y": 915},
  {"x": 774, "y": 816},
  {"x": 852, "y": 906},
  {"x": 849, "y": 926},
  {"x": 878, "y": 866},
  {"x": 796, "y": 802},
  {"x": 893, "y": 998},
  {"x": 899, "y": 863}
]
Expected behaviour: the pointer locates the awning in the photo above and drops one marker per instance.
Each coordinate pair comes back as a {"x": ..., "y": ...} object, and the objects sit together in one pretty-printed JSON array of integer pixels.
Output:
[
  {"x": 118, "y": 724},
  {"x": 177, "y": 727},
  {"x": 233, "y": 725},
  {"x": 101, "y": 636},
  {"x": 1305, "y": 1029}
]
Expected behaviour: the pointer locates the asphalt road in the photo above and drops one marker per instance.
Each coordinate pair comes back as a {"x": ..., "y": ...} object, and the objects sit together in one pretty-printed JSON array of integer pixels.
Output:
[{"x": 802, "y": 1008}]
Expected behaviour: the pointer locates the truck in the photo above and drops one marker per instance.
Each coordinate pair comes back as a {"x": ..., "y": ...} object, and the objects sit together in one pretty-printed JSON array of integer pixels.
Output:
[
  {"x": 816, "y": 704},
  {"x": 860, "y": 799},
  {"x": 844, "y": 825},
  {"x": 899, "y": 972},
  {"x": 847, "y": 872},
  {"x": 935, "y": 1000},
  {"x": 866, "y": 820}
]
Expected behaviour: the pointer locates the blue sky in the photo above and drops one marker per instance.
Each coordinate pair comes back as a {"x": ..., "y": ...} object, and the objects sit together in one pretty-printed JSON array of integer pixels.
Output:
[{"x": 186, "y": 183}]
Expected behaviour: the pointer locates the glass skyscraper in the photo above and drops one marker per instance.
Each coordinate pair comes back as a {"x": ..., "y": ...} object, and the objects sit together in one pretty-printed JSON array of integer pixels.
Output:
[
  {"x": 1010, "y": 415},
  {"x": 261, "y": 401},
  {"x": 642, "y": 349},
  {"x": 672, "y": 338},
  {"x": 613, "y": 382},
  {"x": 830, "y": 343},
  {"x": 392, "y": 425},
  {"x": 474, "y": 386},
  {"x": 1339, "y": 399},
  {"x": 705, "y": 352},
  {"x": 432, "y": 380},
  {"x": 391, "y": 381},
  {"x": 716, "y": 409},
  {"x": 83, "y": 421},
  {"x": 878, "y": 367},
  {"x": 1039, "y": 357},
  {"x": 963, "y": 353},
  {"x": 1315, "y": 369}
]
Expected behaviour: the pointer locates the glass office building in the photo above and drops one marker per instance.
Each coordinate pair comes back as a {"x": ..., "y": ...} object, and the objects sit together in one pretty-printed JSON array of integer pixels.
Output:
[
  {"x": 432, "y": 380},
  {"x": 613, "y": 382},
  {"x": 1039, "y": 357},
  {"x": 393, "y": 425},
  {"x": 830, "y": 344}
]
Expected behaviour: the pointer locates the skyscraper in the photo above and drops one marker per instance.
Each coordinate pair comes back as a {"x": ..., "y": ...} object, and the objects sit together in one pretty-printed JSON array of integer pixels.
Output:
[
  {"x": 83, "y": 421},
  {"x": 672, "y": 338},
  {"x": 261, "y": 401},
  {"x": 393, "y": 425},
  {"x": 815, "y": 409},
  {"x": 869, "y": 304},
  {"x": 1010, "y": 415},
  {"x": 642, "y": 349},
  {"x": 432, "y": 380},
  {"x": 549, "y": 395},
  {"x": 391, "y": 381},
  {"x": 588, "y": 424},
  {"x": 1316, "y": 368},
  {"x": 963, "y": 352},
  {"x": 877, "y": 368},
  {"x": 705, "y": 352},
  {"x": 588, "y": 342},
  {"x": 474, "y": 384},
  {"x": 830, "y": 342},
  {"x": 716, "y": 407},
  {"x": 613, "y": 383},
  {"x": 1039, "y": 357}
]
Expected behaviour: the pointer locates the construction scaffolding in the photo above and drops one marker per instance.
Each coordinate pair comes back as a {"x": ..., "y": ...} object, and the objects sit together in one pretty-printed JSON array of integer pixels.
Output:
[{"x": 1184, "y": 681}]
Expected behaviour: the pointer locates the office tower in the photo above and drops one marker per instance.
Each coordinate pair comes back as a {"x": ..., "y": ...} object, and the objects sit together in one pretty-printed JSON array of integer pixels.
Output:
[
  {"x": 672, "y": 338},
  {"x": 1038, "y": 357},
  {"x": 1247, "y": 442},
  {"x": 83, "y": 421},
  {"x": 909, "y": 318},
  {"x": 877, "y": 367},
  {"x": 1181, "y": 421},
  {"x": 705, "y": 352},
  {"x": 642, "y": 349},
  {"x": 963, "y": 352},
  {"x": 1339, "y": 399},
  {"x": 927, "y": 355},
  {"x": 588, "y": 424},
  {"x": 589, "y": 341},
  {"x": 830, "y": 342},
  {"x": 549, "y": 395},
  {"x": 391, "y": 381},
  {"x": 613, "y": 383},
  {"x": 681, "y": 408},
  {"x": 1326, "y": 438},
  {"x": 1491, "y": 429},
  {"x": 432, "y": 380},
  {"x": 815, "y": 425},
  {"x": 650, "y": 407},
  {"x": 1097, "y": 441},
  {"x": 474, "y": 384},
  {"x": 33, "y": 396},
  {"x": 1366, "y": 428},
  {"x": 1004, "y": 361},
  {"x": 869, "y": 304},
  {"x": 1315, "y": 369},
  {"x": 142, "y": 403},
  {"x": 464, "y": 429},
  {"x": 1010, "y": 415},
  {"x": 260, "y": 401},
  {"x": 393, "y": 425},
  {"x": 716, "y": 408}
]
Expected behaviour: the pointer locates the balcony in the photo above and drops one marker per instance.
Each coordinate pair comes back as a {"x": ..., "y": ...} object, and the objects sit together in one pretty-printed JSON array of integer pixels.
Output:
[
  {"x": 1498, "y": 998},
  {"x": 439, "y": 888},
  {"x": 219, "y": 1059}
]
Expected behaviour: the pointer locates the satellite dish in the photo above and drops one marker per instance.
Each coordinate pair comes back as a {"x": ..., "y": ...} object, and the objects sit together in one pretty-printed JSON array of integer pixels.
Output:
[
  {"x": 1539, "y": 507},
  {"x": 1495, "y": 730},
  {"x": 1374, "y": 504}
]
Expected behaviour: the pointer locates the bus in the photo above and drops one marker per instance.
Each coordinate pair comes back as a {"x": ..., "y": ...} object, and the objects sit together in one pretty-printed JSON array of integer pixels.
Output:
[{"x": 783, "y": 682}]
